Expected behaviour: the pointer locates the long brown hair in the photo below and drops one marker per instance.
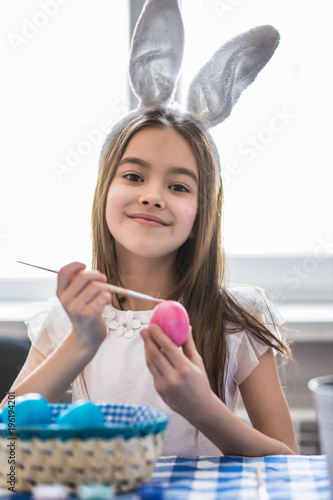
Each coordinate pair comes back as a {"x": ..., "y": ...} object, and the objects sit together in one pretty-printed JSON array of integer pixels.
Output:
[{"x": 200, "y": 261}]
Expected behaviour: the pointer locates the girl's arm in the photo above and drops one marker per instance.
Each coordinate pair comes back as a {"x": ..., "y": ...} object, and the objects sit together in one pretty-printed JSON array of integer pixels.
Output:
[
  {"x": 34, "y": 359},
  {"x": 265, "y": 402},
  {"x": 181, "y": 380},
  {"x": 83, "y": 296},
  {"x": 54, "y": 374}
]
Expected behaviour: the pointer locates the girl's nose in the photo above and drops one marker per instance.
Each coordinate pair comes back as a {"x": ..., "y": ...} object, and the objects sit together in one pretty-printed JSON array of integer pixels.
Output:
[{"x": 152, "y": 199}]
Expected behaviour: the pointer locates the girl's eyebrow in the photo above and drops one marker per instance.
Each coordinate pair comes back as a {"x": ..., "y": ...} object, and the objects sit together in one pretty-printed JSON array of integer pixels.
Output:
[
  {"x": 185, "y": 171},
  {"x": 173, "y": 170},
  {"x": 136, "y": 161}
]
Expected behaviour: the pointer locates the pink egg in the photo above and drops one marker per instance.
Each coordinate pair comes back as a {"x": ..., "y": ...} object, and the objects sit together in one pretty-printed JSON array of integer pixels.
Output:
[{"x": 172, "y": 317}]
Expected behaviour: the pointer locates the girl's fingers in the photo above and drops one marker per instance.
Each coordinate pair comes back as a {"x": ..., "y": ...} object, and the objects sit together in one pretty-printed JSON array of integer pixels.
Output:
[
  {"x": 171, "y": 351},
  {"x": 162, "y": 355},
  {"x": 83, "y": 280},
  {"x": 156, "y": 361},
  {"x": 92, "y": 299},
  {"x": 83, "y": 294},
  {"x": 165, "y": 344},
  {"x": 89, "y": 292},
  {"x": 155, "y": 369},
  {"x": 73, "y": 280},
  {"x": 66, "y": 273}
]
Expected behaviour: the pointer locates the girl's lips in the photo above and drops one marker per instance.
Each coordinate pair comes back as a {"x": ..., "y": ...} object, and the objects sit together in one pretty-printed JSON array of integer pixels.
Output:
[{"x": 148, "y": 220}]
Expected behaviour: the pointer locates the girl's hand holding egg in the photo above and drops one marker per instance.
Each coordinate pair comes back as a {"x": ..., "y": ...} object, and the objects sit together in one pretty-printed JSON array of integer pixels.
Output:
[
  {"x": 173, "y": 319},
  {"x": 179, "y": 374}
]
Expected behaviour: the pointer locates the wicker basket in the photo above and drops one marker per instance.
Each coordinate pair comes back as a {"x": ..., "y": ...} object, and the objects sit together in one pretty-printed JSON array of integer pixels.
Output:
[{"x": 122, "y": 453}]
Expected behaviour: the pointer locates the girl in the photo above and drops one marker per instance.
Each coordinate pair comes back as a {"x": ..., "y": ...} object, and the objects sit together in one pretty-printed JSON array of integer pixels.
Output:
[{"x": 156, "y": 229}]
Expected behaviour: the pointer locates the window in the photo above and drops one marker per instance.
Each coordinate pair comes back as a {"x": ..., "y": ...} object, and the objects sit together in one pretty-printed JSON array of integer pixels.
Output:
[
  {"x": 276, "y": 145},
  {"x": 64, "y": 83}
]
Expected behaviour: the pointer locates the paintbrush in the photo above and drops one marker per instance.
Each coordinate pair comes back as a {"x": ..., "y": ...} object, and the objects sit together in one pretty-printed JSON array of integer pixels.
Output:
[{"x": 112, "y": 288}]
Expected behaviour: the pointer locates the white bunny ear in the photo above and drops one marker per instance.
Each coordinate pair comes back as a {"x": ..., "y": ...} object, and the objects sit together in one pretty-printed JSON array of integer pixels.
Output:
[
  {"x": 218, "y": 85},
  {"x": 157, "y": 52}
]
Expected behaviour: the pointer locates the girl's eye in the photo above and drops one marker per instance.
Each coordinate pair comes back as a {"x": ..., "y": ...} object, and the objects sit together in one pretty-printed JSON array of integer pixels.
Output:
[
  {"x": 133, "y": 177},
  {"x": 179, "y": 188}
]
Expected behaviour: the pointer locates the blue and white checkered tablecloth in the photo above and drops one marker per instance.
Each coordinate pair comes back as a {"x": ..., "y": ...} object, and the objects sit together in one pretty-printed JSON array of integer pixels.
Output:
[
  {"x": 230, "y": 478},
  {"x": 286, "y": 477}
]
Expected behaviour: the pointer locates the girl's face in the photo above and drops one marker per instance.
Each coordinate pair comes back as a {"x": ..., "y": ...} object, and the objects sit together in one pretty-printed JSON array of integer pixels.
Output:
[{"x": 153, "y": 199}]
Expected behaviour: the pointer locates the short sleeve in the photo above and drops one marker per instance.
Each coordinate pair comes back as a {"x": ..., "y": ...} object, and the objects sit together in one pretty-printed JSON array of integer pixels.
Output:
[
  {"x": 257, "y": 302},
  {"x": 47, "y": 325},
  {"x": 244, "y": 349}
]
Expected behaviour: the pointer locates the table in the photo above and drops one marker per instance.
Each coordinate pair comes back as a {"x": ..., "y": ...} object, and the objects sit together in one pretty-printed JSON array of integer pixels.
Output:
[{"x": 287, "y": 477}]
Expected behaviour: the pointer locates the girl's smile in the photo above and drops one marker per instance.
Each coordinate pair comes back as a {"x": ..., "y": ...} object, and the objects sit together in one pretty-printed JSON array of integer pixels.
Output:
[
  {"x": 148, "y": 220},
  {"x": 153, "y": 199}
]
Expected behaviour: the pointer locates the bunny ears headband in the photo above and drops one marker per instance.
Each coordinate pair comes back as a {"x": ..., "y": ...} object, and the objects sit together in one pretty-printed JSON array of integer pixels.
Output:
[{"x": 155, "y": 62}]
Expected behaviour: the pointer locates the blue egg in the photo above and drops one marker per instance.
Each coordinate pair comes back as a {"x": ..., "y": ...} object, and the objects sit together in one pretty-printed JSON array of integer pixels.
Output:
[
  {"x": 28, "y": 410},
  {"x": 81, "y": 414}
]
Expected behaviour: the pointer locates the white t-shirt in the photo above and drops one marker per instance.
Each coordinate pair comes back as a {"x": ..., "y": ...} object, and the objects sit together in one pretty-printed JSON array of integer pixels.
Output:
[{"x": 118, "y": 371}]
